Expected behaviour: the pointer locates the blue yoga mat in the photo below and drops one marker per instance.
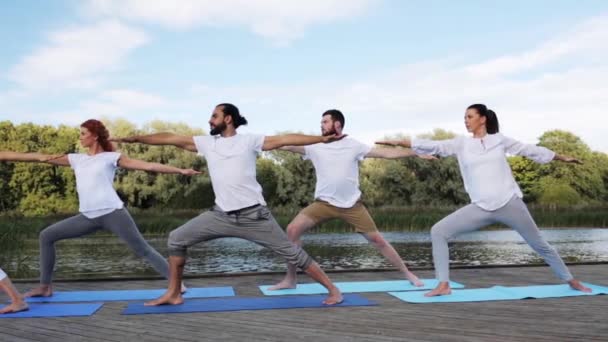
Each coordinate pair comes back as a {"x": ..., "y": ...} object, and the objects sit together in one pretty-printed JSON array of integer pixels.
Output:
[
  {"x": 126, "y": 295},
  {"x": 241, "y": 303},
  {"x": 501, "y": 293},
  {"x": 56, "y": 310},
  {"x": 357, "y": 286}
]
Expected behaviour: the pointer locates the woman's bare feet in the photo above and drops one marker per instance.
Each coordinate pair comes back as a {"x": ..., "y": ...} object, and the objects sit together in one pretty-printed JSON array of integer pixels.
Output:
[
  {"x": 334, "y": 297},
  {"x": 413, "y": 279},
  {"x": 577, "y": 285},
  {"x": 443, "y": 289},
  {"x": 40, "y": 291},
  {"x": 14, "y": 307},
  {"x": 283, "y": 284},
  {"x": 168, "y": 298}
]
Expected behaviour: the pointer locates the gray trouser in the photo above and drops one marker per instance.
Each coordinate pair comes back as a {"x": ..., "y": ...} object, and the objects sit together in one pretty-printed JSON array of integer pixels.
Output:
[
  {"x": 514, "y": 214},
  {"x": 253, "y": 224},
  {"x": 118, "y": 222}
]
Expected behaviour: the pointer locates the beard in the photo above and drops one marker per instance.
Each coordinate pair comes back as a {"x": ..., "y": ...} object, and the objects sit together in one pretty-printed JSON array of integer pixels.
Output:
[
  {"x": 218, "y": 129},
  {"x": 331, "y": 131}
]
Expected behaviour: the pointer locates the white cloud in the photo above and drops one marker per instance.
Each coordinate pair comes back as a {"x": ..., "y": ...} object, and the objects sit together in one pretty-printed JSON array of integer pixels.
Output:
[
  {"x": 278, "y": 20},
  {"x": 77, "y": 57}
]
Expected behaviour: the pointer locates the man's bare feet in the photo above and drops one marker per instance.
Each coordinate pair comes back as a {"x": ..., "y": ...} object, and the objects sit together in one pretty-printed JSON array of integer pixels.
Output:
[
  {"x": 577, "y": 285},
  {"x": 443, "y": 289},
  {"x": 413, "y": 279},
  {"x": 14, "y": 307},
  {"x": 334, "y": 297},
  {"x": 167, "y": 299},
  {"x": 40, "y": 291},
  {"x": 284, "y": 284}
]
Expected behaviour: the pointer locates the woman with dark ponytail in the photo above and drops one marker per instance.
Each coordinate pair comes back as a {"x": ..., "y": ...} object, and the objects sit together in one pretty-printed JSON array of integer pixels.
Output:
[
  {"x": 495, "y": 196},
  {"x": 100, "y": 206}
]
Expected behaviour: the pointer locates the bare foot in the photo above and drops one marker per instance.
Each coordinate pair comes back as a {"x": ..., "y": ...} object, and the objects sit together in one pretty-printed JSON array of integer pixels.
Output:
[
  {"x": 577, "y": 285},
  {"x": 40, "y": 291},
  {"x": 167, "y": 299},
  {"x": 413, "y": 279},
  {"x": 284, "y": 284},
  {"x": 14, "y": 307},
  {"x": 334, "y": 298},
  {"x": 443, "y": 289},
  {"x": 183, "y": 288}
]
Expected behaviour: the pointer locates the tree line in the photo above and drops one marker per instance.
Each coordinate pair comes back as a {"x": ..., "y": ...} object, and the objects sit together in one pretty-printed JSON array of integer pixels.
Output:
[{"x": 287, "y": 179}]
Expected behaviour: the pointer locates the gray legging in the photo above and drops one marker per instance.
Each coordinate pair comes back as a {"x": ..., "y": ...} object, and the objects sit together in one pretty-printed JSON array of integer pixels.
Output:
[
  {"x": 118, "y": 222},
  {"x": 514, "y": 214}
]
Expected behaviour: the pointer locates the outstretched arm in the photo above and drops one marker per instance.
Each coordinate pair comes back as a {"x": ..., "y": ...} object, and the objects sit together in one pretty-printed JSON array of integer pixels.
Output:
[
  {"x": 567, "y": 159},
  {"x": 53, "y": 159},
  {"x": 389, "y": 153},
  {"x": 294, "y": 149},
  {"x": 278, "y": 141},
  {"x": 402, "y": 143},
  {"x": 181, "y": 141},
  {"x": 135, "y": 164}
]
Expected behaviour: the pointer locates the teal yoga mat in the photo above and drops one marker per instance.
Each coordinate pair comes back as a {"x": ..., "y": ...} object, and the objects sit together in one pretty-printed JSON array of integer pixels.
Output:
[
  {"x": 357, "y": 287},
  {"x": 501, "y": 293}
]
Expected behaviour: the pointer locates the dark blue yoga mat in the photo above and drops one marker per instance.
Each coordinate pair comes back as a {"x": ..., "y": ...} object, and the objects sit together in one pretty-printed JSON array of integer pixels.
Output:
[
  {"x": 242, "y": 303},
  {"x": 501, "y": 293},
  {"x": 126, "y": 295},
  {"x": 56, "y": 310},
  {"x": 358, "y": 287}
]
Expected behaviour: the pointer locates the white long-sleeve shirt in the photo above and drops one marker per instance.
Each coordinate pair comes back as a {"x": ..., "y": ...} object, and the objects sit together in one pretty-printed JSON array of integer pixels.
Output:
[{"x": 483, "y": 165}]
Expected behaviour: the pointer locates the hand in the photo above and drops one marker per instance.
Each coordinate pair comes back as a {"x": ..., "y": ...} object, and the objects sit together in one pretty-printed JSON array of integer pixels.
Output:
[
  {"x": 189, "y": 172},
  {"x": 388, "y": 142},
  {"x": 427, "y": 157},
  {"x": 333, "y": 137},
  {"x": 569, "y": 159}
]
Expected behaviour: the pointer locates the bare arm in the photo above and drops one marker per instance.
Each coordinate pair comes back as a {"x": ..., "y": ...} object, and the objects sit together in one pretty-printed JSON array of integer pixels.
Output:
[
  {"x": 402, "y": 143},
  {"x": 389, "y": 153},
  {"x": 135, "y": 164},
  {"x": 294, "y": 149},
  {"x": 181, "y": 141},
  {"x": 278, "y": 141},
  {"x": 58, "y": 159}
]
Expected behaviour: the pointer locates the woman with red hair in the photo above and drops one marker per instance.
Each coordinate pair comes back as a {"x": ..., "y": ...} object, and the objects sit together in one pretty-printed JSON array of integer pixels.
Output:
[{"x": 100, "y": 206}]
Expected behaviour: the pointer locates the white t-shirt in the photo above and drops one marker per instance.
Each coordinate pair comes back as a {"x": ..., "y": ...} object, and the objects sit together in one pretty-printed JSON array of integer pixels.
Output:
[
  {"x": 95, "y": 182},
  {"x": 337, "y": 170},
  {"x": 483, "y": 165},
  {"x": 232, "y": 168}
]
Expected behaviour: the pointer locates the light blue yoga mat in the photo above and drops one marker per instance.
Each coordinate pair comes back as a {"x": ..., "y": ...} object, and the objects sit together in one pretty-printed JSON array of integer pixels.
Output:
[
  {"x": 501, "y": 293},
  {"x": 126, "y": 295},
  {"x": 357, "y": 287},
  {"x": 241, "y": 303},
  {"x": 56, "y": 310},
  {"x": 467, "y": 295},
  {"x": 551, "y": 291}
]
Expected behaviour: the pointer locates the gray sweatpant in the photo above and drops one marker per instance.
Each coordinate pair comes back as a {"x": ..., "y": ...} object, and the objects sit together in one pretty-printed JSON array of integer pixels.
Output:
[
  {"x": 514, "y": 214},
  {"x": 118, "y": 222},
  {"x": 254, "y": 224}
]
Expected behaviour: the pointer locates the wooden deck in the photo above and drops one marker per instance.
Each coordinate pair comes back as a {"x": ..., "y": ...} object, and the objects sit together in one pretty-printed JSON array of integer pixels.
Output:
[{"x": 562, "y": 319}]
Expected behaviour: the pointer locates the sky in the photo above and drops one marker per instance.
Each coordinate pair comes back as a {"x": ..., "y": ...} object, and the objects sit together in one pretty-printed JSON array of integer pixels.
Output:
[{"x": 392, "y": 66}]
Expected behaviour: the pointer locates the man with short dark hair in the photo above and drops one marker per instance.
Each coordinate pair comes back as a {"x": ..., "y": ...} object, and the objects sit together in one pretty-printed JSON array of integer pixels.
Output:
[
  {"x": 337, "y": 194},
  {"x": 240, "y": 210}
]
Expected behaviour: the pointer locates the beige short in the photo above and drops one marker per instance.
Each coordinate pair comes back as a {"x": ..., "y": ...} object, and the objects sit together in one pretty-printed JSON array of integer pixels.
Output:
[{"x": 357, "y": 215}]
